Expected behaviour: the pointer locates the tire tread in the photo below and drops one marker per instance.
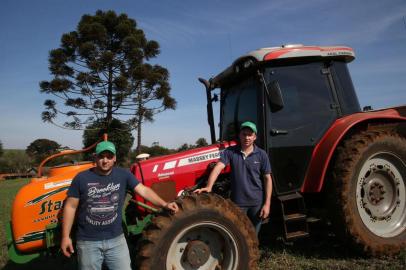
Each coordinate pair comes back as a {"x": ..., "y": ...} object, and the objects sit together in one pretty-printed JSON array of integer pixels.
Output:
[
  {"x": 148, "y": 246},
  {"x": 348, "y": 155}
]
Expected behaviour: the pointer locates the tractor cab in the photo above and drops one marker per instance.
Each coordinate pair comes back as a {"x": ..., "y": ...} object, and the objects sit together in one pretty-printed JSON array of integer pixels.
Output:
[{"x": 293, "y": 93}]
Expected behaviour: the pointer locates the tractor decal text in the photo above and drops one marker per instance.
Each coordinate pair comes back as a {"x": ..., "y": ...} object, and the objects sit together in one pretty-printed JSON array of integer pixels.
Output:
[
  {"x": 52, "y": 217},
  {"x": 46, "y": 195},
  {"x": 186, "y": 161},
  {"x": 57, "y": 184},
  {"x": 199, "y": 158},
  {"x": 49, "y": 206},
  {"x": 165, "y": 175}
]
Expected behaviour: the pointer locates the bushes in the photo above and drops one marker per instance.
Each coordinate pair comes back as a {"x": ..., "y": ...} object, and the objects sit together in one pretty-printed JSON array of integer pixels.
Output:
[{"x": 15, "y": 161}]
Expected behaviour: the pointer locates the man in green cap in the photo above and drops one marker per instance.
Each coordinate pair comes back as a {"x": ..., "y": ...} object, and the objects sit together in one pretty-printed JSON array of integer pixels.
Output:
[
  {"x": 96, "y": 197},
  {"x": 251, "y": 182}
]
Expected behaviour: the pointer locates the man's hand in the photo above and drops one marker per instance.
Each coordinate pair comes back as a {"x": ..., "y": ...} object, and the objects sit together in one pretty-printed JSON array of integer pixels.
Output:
[
  {"x": 212, "y": 178},
  {"x": 265, "y": 211},
  {"x": 172, "y": 206},
  {"x": 201, "y": 190},
  {"x": 69, "y": 210},
  {"x": 67, "y": 247}
]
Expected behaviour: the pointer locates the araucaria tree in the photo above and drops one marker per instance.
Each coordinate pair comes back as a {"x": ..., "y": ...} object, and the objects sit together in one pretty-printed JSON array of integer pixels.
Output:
[
  {"x": 101, "y": 72},
  {"x": 151, "y": 95}
]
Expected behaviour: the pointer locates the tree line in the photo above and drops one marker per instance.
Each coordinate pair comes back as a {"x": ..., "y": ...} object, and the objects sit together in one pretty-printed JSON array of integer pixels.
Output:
[{"x": 20, "y": 161}]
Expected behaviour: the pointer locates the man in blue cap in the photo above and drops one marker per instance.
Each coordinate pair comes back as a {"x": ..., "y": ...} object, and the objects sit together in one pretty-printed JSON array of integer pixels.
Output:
[
  {"x": 97, "y": 195},
  {"x": 251, "y": 182}
]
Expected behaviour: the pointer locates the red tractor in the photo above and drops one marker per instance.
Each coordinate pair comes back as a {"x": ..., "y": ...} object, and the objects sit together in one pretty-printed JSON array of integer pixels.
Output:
[{"x": 329, "y": 160}]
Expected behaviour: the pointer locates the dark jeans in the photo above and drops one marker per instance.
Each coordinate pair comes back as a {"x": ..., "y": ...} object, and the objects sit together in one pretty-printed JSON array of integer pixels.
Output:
[{"x": 253, "y": 214}]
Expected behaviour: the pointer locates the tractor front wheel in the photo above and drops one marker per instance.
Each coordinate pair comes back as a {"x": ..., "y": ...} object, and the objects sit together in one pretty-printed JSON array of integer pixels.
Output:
[
  {"x": 208, "y": 232},
  {"x": 370, "y": 178}
]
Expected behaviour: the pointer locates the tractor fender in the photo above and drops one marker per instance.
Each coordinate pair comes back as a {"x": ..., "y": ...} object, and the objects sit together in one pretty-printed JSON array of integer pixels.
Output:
[{"x": 324, "y": 150}]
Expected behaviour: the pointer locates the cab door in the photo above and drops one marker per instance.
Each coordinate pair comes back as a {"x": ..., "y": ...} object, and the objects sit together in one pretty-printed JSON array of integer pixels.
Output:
[{"x": 292, "y": 132}]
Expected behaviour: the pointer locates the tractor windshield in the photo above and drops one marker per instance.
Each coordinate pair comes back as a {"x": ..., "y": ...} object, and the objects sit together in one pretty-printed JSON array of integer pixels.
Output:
[{"x": 239, "y": 103}]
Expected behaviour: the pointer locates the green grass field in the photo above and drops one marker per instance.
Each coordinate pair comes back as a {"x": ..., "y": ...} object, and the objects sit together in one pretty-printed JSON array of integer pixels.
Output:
[{"x": 313, "y": 253}]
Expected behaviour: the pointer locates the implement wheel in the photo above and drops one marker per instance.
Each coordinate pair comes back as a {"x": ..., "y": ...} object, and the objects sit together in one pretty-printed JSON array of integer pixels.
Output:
[
  {"x": 208, "y": 232},
  {"x": 370, "y": 177}
]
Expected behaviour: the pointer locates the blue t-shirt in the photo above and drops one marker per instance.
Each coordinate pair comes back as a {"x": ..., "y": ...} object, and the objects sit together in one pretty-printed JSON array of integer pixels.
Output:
[
  {"x": 247, "y": 187},
  {"x": 101, "y": 200}
]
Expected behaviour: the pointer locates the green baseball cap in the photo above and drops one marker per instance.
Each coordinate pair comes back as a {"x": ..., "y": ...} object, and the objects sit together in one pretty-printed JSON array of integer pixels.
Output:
[
  {"x": 250, "y": 125},
  {"x": 105, "y": 146}
]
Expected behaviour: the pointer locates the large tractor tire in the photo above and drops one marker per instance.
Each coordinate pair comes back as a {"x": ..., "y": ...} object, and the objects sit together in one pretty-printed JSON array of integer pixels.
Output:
[
  {"x": 208, "y": 232},
  {"x": 369, "y": 178}
]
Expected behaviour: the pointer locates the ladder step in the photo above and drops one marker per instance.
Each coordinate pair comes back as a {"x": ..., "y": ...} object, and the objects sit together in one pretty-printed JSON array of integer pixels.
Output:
[
  {"x": 288, "y": 197},
  {"x": 297, "y": 234},
  {"x": 312, "y": 220},
  {"x": 294, "y": 217}
]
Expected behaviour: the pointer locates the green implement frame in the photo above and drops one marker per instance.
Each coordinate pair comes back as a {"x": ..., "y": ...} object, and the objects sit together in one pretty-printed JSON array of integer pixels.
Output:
[
  {"x": 53, "y": 233},
  {"x": 13, "y": 254}
]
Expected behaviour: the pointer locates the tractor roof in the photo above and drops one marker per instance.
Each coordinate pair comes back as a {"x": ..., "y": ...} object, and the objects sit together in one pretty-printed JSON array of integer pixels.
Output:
[
  {"x": 298, "y": 51},
  {"x": 288, "y": 53}
]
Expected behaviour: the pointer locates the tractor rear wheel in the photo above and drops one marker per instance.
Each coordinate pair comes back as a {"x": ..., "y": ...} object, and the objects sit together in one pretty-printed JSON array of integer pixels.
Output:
[
  {"x": 208, "y": 232},
  {"x": 370, "y": 177}
]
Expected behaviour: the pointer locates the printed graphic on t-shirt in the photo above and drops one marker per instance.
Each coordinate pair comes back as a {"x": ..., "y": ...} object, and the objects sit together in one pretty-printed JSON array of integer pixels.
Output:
[{"x": 102, "y": 203}]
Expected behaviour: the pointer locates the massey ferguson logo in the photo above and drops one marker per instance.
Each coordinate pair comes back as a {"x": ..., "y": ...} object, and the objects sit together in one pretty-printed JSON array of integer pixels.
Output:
[
  {"x": 185, "y": 161},
  {"x": 203, "y": 157},
  {"x": 199, "y": 158}
]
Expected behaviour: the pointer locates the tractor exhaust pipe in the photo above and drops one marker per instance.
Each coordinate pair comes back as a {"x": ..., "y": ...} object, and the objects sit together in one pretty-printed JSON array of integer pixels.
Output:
[{"x": 210, "y": 118}]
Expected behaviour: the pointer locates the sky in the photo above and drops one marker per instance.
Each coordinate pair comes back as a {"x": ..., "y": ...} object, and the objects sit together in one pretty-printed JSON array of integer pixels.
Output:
[{"x": 197, "y": 39}]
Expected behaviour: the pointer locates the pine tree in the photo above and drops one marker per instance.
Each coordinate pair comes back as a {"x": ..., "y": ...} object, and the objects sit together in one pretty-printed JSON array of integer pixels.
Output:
[{"x": 100, "y": 72}]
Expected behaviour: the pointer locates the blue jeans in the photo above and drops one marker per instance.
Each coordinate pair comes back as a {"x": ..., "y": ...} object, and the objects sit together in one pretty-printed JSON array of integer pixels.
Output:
[
  {"x": 113, "y": 252},
  {"x": 253, "y": 214}
]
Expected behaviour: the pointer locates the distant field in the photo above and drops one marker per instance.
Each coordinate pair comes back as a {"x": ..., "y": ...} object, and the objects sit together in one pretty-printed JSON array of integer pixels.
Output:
[{"x": 313, "y": 253}]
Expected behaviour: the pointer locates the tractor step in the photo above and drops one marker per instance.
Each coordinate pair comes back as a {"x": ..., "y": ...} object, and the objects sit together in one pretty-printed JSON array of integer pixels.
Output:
[
  {"x": 294, "y": 216},
  {"x": 292, "y": 196},
  {"x": 312, "y": 220},
  {"x": 296, "y": 235}
]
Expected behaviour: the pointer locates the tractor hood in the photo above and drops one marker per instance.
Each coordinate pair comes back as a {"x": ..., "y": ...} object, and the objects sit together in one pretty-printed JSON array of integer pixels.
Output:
[{"x": 169, "y": 175}]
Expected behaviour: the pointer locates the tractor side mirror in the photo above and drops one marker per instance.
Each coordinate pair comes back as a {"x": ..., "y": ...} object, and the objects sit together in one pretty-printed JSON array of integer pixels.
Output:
[{"x": 275, "y": 96}]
